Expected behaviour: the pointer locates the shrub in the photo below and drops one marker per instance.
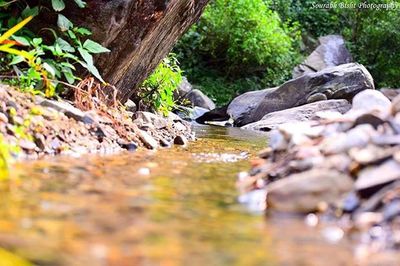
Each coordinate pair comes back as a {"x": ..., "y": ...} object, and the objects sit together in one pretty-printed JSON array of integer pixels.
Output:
[
  {"x": 157, "y": 90},
  {"x": 372, "y": 34},
  {"x": 40, "y": 64},
  {"x": 237, "y": 41}
]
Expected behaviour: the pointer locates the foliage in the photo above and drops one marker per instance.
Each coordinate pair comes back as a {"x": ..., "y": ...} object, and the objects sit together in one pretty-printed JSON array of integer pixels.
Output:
[
  {"x": 312, "y": 21},
  {"x": 41, "y": 64},
  {"x": 374, "y": 40},
  {"x": 372, "y": 34},
  {"x": 158, "y": 89},
  {"x": 239, "y": 40}
]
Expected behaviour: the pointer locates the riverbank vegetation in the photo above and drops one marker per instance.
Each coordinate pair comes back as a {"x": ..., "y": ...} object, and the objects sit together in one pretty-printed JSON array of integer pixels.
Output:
[{"x": 239, "y": 46}]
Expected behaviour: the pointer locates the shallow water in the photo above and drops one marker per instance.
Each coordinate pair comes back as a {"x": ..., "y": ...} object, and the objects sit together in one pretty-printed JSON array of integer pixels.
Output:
[{"x": 171, "y": 207}]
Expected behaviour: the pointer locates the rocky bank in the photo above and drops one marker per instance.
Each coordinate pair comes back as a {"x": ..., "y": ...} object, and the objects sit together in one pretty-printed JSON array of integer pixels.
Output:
[{"x": 37, "y": 127}]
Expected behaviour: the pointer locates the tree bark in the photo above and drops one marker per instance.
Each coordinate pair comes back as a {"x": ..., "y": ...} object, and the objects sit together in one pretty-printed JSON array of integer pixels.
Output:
[{"x": 139, "y": 33}]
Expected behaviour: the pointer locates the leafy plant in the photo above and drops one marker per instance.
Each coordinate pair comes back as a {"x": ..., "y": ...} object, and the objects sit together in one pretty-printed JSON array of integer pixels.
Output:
[
  {"x": 239, "y": 41},
  {"x": 42, "y": 64},
  {"x": 158, "y": 89}
]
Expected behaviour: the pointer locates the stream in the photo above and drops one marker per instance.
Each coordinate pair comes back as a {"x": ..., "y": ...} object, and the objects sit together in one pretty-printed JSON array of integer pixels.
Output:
[{"x": 175, "y": 206}]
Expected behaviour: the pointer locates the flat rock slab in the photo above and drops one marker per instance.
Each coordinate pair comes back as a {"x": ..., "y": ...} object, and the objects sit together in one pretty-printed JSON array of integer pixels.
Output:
[
  {"x": 304, "y": 192},
  {"x": 297, "y": 114},
  {"x": 372, "y": 179}
]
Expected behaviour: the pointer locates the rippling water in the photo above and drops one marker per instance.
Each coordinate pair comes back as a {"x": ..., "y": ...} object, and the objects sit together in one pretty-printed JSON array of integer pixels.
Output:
[{"x": 171, "y": 207}]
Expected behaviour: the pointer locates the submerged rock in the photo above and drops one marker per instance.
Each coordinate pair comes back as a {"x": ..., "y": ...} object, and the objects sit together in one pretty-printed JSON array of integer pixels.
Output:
[{"x": 304, "y": 192}]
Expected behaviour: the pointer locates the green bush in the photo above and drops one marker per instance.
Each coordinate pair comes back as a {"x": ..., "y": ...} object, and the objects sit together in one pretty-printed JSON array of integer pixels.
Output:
[
  {"x": 374, "y": 40},
  {"x": 239, "y": 40},
  {"x": 372, "y": 34},
  {"x": 39, "y": 64},
  {"x": 157, "y": 90}
]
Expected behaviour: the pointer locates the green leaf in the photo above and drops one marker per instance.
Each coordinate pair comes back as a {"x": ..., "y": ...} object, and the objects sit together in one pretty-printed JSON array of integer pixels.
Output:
[
  {"x": 69, "y": 76},
  {"x": 27, "y": 12},
  {"x": 16, "y": 60},
  {"x": 94, "y": 47},
  {"x": 64, "y": 45},
  {"x": 86, "y": 56},
  {"x": 68, "y": 65},
  {"x": 89, "y": 63},
  {"x": 58, "y": 5},
  {"x": 37, "y": 41},
  {"x": 63, "y": 23},
  {"x": 22, "y": 40},
  {"x": 33, "y": 74},
  {"x": 80, "y": 3},
  {"x": 83, "y": 31},
  {"x": 49, "y": 69}
]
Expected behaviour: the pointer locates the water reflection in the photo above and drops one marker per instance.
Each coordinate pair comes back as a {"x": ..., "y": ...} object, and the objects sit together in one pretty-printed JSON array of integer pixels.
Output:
[{"x": 169, "y": 207}]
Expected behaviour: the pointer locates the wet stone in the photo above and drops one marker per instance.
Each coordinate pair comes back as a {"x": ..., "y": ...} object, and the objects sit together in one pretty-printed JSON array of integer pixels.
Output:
[
  {"x": 372, "y": 179},
  {"x": 391, "y": 210},
  {"x": 129, "y": 146},
  {"x": 181, "y": 140},
  {"x": 351, "y": 202}
]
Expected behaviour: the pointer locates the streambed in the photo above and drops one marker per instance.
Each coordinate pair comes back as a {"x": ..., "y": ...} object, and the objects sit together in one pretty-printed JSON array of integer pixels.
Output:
[{"x": 171, "y": 207}]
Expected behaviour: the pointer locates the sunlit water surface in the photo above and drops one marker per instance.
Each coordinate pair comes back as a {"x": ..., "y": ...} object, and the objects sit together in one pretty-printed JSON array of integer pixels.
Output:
[{"x": 171, "y": 207}]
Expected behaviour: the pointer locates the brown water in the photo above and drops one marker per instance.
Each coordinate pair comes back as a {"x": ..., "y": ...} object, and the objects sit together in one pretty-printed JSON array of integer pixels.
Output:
[{"x": 170, "y": 207}]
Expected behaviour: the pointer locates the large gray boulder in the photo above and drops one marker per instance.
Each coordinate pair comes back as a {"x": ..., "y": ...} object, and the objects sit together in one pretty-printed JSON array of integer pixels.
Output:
[
  {"x": 298, "y": 114},
  {"x": 244, "y": 105},
  {"x": 340, "y": 82},
  {"x": 331, "y": 52}
]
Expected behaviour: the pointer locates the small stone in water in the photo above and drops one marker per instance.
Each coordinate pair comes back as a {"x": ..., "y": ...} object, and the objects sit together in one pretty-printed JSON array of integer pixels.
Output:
[
  {"x": 311, "y": 220},
  {"x": 351, "y": 202},
  {"x": 333, "y": 234},
  {"x": 242, "y": 176},
  {"x": 180, "y": 140},
  {"x": 144, "y": 171}
]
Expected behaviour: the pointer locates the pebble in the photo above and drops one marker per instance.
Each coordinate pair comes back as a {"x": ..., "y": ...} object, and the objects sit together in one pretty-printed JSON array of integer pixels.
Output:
[{"x": 181, "y": 140}]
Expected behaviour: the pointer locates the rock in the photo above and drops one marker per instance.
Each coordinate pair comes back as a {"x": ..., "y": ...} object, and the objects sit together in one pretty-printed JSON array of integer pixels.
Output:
[
  {"x": 391, "y": 210},
  {"x": 67, "y": 109},
  {"x": 129, "y": 146},
  {"x": 340, "y": 82},
  {"x": 244, "y": 105},
  {"x": 304, "y": 192},
  {"x": 371, "y": 102},
  {"x": 143, "y": 118},
  {"x": 331, "y": 52},
  {"x": 139, "y": 34},
  {"x": 370, "y": 155},
  {"x": 130, "y": 106},
  {"x": 183, "y": 89},
  {"x": 147, "y": 140},
  {"x": 198, "y": 98},
  {"x": 191, "y": 114},
  {"x": 277, "y": 141},
  {"x": 372, "y": 179},
  {"x": 344, "y": 141},
  {"x": 180, "y": 140},
  {"x": 351, "y": 202},
  {"x": 390, "y": 93},
  {"x": 300, "y": 113},
  {"x": 27, "y": 145},
  {"x": 218, "y": 114}
]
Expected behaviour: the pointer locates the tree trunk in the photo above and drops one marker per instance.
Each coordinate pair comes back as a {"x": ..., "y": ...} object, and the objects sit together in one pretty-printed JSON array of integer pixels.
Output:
[{"x": 139, "y": 33}]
